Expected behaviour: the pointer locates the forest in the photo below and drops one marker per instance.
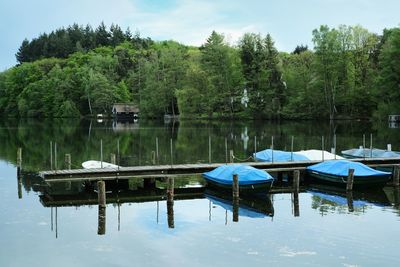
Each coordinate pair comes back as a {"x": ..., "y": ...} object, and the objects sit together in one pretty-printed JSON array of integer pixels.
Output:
[{"x": 350, "y": 73}]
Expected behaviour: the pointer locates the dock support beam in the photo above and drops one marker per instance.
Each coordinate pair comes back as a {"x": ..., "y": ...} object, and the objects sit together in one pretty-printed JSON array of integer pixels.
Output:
[{"x": 350, "y": 179}]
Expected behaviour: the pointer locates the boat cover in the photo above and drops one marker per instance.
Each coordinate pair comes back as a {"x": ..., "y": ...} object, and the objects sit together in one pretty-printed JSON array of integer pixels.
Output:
[
  {"x": 366, "y": 153},
  {"x": 341, "y": 168},
  {"x": 247, "y": 175},
  {"x": 95, "y": 164},
  {"x": 270, "y": 155}
]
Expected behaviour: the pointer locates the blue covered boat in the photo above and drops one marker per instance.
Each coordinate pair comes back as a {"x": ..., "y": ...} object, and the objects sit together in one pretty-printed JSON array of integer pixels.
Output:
[
  {"x": 367, "y": 153},
  {"x": 249, "y": 178},
  {"x": 269, "y": 155},
  {"x": 336, "y": 171}
]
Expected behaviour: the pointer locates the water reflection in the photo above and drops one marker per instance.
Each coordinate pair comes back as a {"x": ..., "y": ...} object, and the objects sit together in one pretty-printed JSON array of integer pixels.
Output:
[{"x": 329, "y": 199}]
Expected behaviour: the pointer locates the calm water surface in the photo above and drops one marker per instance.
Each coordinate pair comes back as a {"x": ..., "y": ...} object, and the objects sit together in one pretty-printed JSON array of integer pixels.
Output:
[{"x": 58, "y": 224}]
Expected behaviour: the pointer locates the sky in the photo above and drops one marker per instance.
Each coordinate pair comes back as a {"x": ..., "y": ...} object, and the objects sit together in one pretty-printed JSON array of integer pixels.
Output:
[{"x": 290, "y": 22}]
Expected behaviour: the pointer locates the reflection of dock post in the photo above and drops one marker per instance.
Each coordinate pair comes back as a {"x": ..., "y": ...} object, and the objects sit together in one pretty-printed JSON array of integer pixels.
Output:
[
  {"x": 396, "y": 175},
  {"x": 396, "y": 193},
  {"x": 235, "y": 195},
  {"x": 67, "y": 161},
  {"x": 19, "y": 166},
  {"x": 101, "y": 185},
  {"x": 350, "y": 179},
  {"x": 296, "y": 180},
  {"x": 101, "y": 230},
  {"x": 349, "y": 196},
  {"x": 170, "y": 202},
  {"x": 296, "y": 204}
]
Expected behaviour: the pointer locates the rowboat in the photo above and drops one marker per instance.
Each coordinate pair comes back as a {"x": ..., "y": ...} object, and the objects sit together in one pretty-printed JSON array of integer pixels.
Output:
[
  {"x": 249, "y": 178},
  {"x": 336, "y": 171}
]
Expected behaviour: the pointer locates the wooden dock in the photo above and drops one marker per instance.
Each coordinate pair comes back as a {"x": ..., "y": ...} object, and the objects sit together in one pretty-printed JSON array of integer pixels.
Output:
[{"x": 159, "y": 171}]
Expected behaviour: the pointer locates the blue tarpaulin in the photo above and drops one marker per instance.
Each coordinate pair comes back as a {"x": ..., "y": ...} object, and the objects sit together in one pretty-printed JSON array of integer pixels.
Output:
[
  {"x": 270, "y": 155},
  {"x": 366, "y": 153},
  {"x": 341, "y": 168},
  {"x": 247, "y": 175}
]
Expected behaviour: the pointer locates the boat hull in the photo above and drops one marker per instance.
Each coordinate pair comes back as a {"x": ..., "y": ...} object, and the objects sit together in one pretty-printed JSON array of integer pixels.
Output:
[{"x": 359, "y": 181}]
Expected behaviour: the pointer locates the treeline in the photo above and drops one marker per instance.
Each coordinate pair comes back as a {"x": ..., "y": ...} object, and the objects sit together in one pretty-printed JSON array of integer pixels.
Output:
[
  {"x": 350, "y": 73},
  {"x": 76, "y": 38}
]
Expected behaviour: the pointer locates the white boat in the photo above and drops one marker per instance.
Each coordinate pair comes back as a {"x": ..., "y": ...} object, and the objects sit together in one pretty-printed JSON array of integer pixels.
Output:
[
  {"x": 95, "y": 164},
  {"x": 314, "y": 154}
]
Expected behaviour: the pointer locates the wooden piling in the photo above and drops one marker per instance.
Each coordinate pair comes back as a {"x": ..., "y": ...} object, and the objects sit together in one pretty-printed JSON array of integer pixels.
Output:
[
  {"x": 172, "y": 159},
  {"x": 226, "y": 150},
  {"x": 291, "y": 149},
  {"x": 113, "y": 158},
  {"x": 170, "y": 202},
  {"x": 51, "y": 155},
  {"x": 157, "y": 155},
  {"x": 255, "y": 148},
  {"x": 396, "y": 175},
  {"x": 101, "y": 230},
  {"x": 272, "y": 149},
  {"x": 370, "y": 144},
  {"x": 235, "y": 186},
  {"x": 350, "y": 179},
  {"x": 118, "y": 154},
  {"x": 19, "y": 181},
  {"x": 101, "y": 187},
  {"x": 232, "y": 157},
  {"x": 55, "y": 156},
  {"x": 209, "y": 149},
  {"x": 101, "y": 153},
  {"x": 67, "y": 161},
  {"x": 296, "y": 180},
  {"x": 323, "y": 147}
]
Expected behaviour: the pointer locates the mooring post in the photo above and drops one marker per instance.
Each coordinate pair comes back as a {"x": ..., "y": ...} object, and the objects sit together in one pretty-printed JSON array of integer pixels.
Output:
[
  {"x": 272, "y": 149},
  {"x": 396, "y": 175},
  {"x": 118, "y": 154},
  {"x": 296, "y": 180},
  {"x": 349, "y": 196},
  {"x": 209, "y": 149},
  {"x": 67, "y": 161},
  {"x": 334, "y": 145},
  {"x": 170, "y": 202},
  {"x": 172, "y": 159},
  {"x": 101, "y": 229},
  {"x": 101, "y": 187},
  {"x": 231, "y": 155},
  {"x": 350, "y": 179},
  {"x": 113, "y": 158},
  {"x": 255, "y": 148},
  {"x": 323, "y": 147},
  {"x": 226, "y": 151},
  {"x": 51, "y": 155},
  {"x": 296, "y": 204},
  {"x": 157, "y": 157},
  {"x": 364, "y": 145},
  {"x": 235, "y": 199},
  {"x": 371, "y": 146},
  {"x": 55, "y": 156},
  {"x": 389, "y": 147},
  {"x": 101, "y": 153},
  {"x": 291, "y": 149}
]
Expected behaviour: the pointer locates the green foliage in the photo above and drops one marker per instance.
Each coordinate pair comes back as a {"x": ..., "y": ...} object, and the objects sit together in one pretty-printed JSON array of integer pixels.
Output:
[{"x": 78, "y": 71}]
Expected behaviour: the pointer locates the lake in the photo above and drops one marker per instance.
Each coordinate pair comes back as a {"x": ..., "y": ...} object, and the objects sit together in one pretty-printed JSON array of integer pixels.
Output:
[{"x": 61, "y": 224}]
